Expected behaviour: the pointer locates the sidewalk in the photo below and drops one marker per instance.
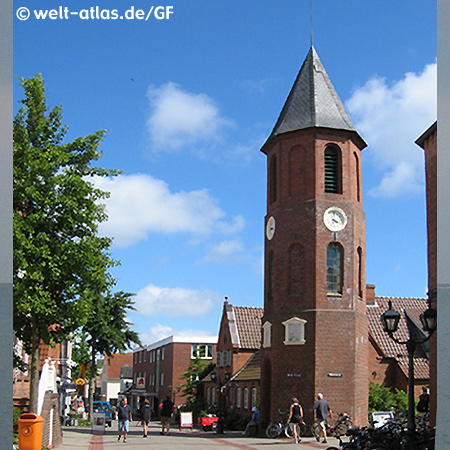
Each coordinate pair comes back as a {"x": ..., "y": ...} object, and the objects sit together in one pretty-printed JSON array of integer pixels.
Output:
[{"x": 83, "y": 439}]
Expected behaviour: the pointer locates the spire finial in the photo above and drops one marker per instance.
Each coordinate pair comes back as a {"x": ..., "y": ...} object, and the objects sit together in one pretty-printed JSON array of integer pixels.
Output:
[{"x": 311, "y": 18}]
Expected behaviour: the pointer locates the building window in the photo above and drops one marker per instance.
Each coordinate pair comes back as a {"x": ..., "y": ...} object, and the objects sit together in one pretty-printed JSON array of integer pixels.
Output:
[
  {"x": 358, "y": 182},
  {"x": 254, "y": 398},
  {"x": 238, "y": 397},
  {"x": 267, "y": 334},
  {"x": 245, "y": 398},
  {"x": 296, "y": 269},
  {"x": 162, "y": 379},
  {"x": 202, "y": 351},
  {"x": 213, "y": 396},
  {"x": 140, "y": 357},
  {"x": 145, "y": 355},
  {"x": 270, "y": 277},
  {"x": 333, "y": 170},
  {"x": 360, "y": 284},
  {"x": 219, "y": 359},
  {"x": 225, "y": 358},
  {"x": 294, "y": 333},
  {"x": 335, "y": 258},
  {"x": 162, "y": 354},
  {"x": 273, "y": 179},
  {"x": 208, "y": 396}
]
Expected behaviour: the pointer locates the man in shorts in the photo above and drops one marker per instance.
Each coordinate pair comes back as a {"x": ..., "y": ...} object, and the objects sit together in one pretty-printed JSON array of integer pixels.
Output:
[
  {"x": 124, "y": 417},
  {"x": 323, "y": 410},
  {"x": 167, "y": 407}
]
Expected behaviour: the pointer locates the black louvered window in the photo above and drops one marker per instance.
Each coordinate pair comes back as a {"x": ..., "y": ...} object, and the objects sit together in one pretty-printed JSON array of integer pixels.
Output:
[{"x": 332, "y": 167}]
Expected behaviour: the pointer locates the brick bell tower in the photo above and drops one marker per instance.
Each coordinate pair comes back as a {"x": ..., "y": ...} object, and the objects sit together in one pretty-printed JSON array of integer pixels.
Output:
[{"x": 314, "y": 328}]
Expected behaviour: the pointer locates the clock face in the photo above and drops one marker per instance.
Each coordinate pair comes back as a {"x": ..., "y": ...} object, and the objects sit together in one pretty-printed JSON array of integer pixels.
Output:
[
  {"x": 270, "y": 228},
  {"x": 335, "y": 219}
]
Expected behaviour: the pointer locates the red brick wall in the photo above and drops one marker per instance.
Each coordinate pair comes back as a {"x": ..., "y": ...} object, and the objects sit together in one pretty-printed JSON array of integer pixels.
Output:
[{"x": 336, "y": 328}]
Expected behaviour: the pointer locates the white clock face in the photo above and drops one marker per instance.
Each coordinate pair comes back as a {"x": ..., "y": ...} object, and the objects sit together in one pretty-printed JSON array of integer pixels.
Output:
[
  {"x": 270, "y": 228},
  {"x": 335, "y": 219}
]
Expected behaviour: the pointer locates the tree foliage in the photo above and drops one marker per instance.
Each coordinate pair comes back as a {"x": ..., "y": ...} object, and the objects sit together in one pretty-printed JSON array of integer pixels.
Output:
[
  {"x": 58, "y": 256},
  {"x": 382, "y": 398},
  {"x": 192, "y": 388}
]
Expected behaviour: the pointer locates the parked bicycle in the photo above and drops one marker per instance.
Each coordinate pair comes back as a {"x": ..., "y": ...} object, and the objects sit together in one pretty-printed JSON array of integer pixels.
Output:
[
  {"x": 279, "y": 427},
  {"x": 340, "y": 427}
]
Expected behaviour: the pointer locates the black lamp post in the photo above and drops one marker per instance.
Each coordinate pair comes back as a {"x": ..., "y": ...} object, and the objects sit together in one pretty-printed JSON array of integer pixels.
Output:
[
  {"x": 390, "y": 320},
  {"x": 218, "y": 380}
]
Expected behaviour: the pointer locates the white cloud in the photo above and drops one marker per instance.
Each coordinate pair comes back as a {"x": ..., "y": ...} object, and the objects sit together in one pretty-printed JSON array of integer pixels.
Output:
[
  {"x": 141, "y": 204},
  {"x": 225, "y": 251},
  {"x": 159, "y": 332},
  {"x": 181, "y": 118},
  {"x": 390, "y": 118},
  {"x": 175, "y": 302}
]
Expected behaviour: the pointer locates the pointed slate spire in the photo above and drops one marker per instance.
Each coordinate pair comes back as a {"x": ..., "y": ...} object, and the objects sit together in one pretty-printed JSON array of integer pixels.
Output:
[{"x": 313, "y": 101}]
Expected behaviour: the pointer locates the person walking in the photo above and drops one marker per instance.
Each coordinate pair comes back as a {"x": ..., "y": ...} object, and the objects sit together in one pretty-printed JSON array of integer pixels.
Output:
[
  {"x": 423, "y": 406},
  {"x": 323, "y": 411},
  {"x": 295, "y": 417},
  {"x": 124, "y": 416},
  {"x": 167, "y": 406},
  {"x": 145, "y": 416}
]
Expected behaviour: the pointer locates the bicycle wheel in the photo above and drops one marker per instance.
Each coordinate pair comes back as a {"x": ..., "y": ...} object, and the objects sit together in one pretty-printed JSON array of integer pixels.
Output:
[
  {"x": 332, "y": 448},
  {"x": 313, "y": 427},
  {"x": 288, "y": 431},
  {"x": 303, "y": 429},
  {"x": 316, "y": 429},
  {"x": 273, "y": 430},
  {"x": 341, "y": 429}
]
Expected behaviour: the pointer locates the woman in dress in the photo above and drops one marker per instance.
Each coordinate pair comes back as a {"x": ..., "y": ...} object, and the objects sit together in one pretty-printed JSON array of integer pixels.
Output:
[{"x": 295, "y": 417}]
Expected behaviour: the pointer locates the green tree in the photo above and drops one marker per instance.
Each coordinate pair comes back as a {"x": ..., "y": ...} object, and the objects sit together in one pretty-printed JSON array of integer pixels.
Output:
[
  {"x": 106, "y": 331},
  {"x": 57, "y": 253},
  {"x": 382, "y": 398},
  {"x": 192, "y": 389}
]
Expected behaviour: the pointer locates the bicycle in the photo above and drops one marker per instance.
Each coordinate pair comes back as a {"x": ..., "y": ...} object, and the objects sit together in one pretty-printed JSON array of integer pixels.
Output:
[
  {"x": 341, "y": 426},
  {"x": 281, "y": 426}
]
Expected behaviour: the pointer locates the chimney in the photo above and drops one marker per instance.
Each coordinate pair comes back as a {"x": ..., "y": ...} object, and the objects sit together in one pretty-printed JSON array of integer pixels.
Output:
[{"x": 370, "y": 294}]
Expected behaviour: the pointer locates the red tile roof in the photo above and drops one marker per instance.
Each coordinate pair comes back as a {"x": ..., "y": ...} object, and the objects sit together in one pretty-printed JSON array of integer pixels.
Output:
[
  {"x": 390, "y": 349},
  {"x": 248, "y": 325}
]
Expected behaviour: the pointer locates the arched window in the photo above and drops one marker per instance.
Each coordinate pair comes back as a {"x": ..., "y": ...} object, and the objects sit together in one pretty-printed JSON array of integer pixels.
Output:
[
  {"x": 273, "y": 179},
  {"x": 335, "y": 268},
  {"x": 360, "y": 290},
  {"x": 270, "y": 278},
  {"x": 296, "y": 269},
  {"x": 333, "y": 177},
  {"x": 358, "y": 183}
]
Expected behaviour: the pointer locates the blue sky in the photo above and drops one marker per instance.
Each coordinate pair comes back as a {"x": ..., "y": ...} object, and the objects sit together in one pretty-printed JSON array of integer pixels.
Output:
[{"x": 189, "y": 100}]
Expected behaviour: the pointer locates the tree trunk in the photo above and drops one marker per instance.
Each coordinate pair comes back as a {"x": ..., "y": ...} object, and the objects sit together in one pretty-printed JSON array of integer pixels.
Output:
[
  {"x": 34, "y": 364},
  {"x": 92, "y": 385}
]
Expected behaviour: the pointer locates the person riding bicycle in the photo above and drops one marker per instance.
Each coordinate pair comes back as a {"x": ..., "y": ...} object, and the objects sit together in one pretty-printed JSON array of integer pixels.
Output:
[
  {"x": 323, "y": 410},
  {"x": 295, "y": 417}
]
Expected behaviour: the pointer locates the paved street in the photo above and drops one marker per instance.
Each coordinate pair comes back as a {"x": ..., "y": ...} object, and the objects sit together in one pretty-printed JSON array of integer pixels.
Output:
[{"x": 81, "y": 439}]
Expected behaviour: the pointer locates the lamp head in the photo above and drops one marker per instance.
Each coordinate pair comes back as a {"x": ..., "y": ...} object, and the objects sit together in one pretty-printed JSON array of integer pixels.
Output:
[{"x": 390, "y": 320}]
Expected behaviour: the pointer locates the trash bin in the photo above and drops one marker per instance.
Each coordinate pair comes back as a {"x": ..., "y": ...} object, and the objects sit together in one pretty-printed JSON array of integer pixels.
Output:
[{"x": 30, "y": 431}]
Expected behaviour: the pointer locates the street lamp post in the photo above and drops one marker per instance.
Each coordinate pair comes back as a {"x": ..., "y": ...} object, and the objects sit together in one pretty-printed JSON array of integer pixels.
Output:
[
  {"x": 218, "y": 380},
  {"x": 390, "y": 320}
]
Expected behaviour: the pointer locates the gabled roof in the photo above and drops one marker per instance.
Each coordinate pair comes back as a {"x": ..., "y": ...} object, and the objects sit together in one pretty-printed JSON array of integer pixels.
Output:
[
  {"x": 413, "y": 307},
  {"x": 245, "y": 325},
  {"x": 251, "y": 369},
  {"x": 313, "y": 102}
]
